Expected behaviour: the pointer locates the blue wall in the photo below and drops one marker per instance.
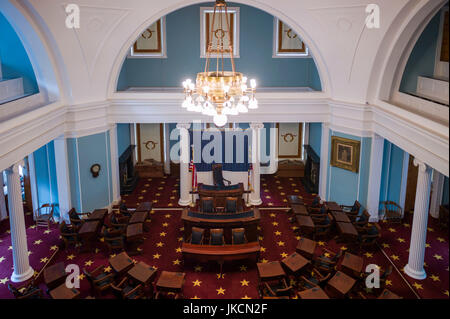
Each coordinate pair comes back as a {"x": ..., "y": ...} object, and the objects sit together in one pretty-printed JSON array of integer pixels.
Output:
[
  {"x": 183, "y": 54},
  {"x": 315, "y": 136},
  {"x": 14, "y": 59},
  {"x": 87, "y": 192},
  {"x": 46, "y": 181},
  {"x": 422, "y": 58},
  {"x": 391, "y": 174},
  {"x": 344, "y": 186},
  {"x": 123, "y": 137}
]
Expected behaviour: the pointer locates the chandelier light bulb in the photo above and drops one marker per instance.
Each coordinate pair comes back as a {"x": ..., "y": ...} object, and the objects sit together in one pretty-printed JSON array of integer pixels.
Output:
[
  {"x": 253, "y": 104},
  {"x": 220, "y": 120},
  {"x": 244, "y": 79},
  {"x": 244, "y": 87},
  {"x": 206, "y": 89},
  {"x": 233, "y": 111},
  {"x": 253, "y": 83},
  {"x": 226, "y": 89},
  {"x": 241, "y": 108}
]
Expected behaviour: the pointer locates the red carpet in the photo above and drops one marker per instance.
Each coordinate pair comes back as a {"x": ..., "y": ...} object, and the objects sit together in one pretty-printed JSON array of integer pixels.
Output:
[{"x": 161, "y": 248}]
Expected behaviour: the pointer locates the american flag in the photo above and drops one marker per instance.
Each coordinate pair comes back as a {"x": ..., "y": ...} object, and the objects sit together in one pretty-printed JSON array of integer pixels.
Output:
[{"x": 194, "y": 172}]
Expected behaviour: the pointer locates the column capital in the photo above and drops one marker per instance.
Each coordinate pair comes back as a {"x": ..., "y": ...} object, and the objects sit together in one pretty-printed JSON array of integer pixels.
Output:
[
  {"x": 326, "y": 124},
  {"x": 184, "y": 126},
  {"x": 256, "y": 125},
  {"x": 14, "y": 168},
  {"x": 421, "y": 164},
  {"x": 377, "y": 137}
]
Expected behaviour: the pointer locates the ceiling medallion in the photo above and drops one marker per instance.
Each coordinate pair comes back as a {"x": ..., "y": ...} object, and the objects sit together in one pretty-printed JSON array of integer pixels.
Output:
[{"x": 219, "y": 93}]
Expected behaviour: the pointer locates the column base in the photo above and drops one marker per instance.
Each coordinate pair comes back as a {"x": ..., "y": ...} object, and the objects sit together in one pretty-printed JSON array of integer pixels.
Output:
[
  {"x": 22, "y": 277},
  {"x": 419, "y": 275},
  {"x": 255, "y": 202},
  {"x": 183, "y": 202}
]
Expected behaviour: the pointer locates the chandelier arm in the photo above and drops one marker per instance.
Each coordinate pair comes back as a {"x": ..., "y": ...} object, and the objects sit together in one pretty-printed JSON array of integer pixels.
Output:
[
  {"x": 209, "y": 48},
  {"x": 229, "y": 41}
]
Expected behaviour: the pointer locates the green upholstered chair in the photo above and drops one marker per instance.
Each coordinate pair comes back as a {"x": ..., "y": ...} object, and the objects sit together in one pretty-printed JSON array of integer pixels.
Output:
[
  {"x": 238, "y": 236},
  {"x": 207, "y": 205},
  {"x": 197, "y": 236},
  {"x": 216, "y": 237}
]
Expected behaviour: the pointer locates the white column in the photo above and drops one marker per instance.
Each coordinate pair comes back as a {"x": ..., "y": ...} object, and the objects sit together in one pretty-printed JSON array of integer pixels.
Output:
[
  {"x": 22, "y": 270},
  {"x": 3, "y": 212},
  {"x": 133, "y": 141},
  {"x": 404, "y": 184},
  {"x": 255, "y": 196},
  {"x": 436, "y": 195},
  {"x": 166, "y": 149},
  {"x": 376, "y": 165},
  {"x": 324, "y": 150},
  {"x": 185, "y": 181},
  {"x": 114, "y": 154},
  {"x": 62, "y": 176},
  {"x": 414, "y": 268}
]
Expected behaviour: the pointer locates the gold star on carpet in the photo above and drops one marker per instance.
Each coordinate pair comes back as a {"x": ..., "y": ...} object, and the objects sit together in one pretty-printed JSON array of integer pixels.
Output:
[
  {"x": 327, "y": 255},
  {"x": 198, "y": 268},
  {"x": 220, "y": 291},
  {"x": 88, "y": 263},
  {"x": 268, "y": 197},
  {"x": 280, "y": 243},
  {"x": 167, "y": 215},
  {"x": 446, "y": 293},
  {"x": 275, "y": 223},
  {"x": 47, "y": 231},
  {"x": 29, "y": 253},
  {"x": 277, "y": 233},
  {"x": 2, "y": 259},
  {"x": 178, "y": 250},
  {"x": 4, "y": 280},
  {"x": 388, "y": 282},
  {"x": 160, "y": 244},
  {"x": 108, "y": 269},
  {"x": 427, "y": 245},
  {"x": 425, "y": 264},
  {"x": 258, "y": 228},
  {"x": 296, "y": 190},
  {"x": 272, "y": 215},
  {"x": 392, "y": 230},
  {"x": 297, "y": 237},
  {"x": 243, "y": 268},
  {"x": 284, "y": 255},
  {"x": 440, "y": 239},
  {"x": 246, "y": 297},
  {"x": 438, "y": 257},
  {"x": 156, "y": 256},
  {"x": 344, "y": 248},
  {"x": 260, "y": 238},
  {"x": 401, "y": 240},
  {"x": 368, "y": 255},
  {"x": 435, "y": 278},
  {"x": 264, "y": 261},
  {"x": 417, "y": 286},
  {"x": 44, "y": 260},
  {"x": 81, "y": 277},
  {"x": 165, "y": 224},
  {"x": 294, "y": 227},
  {"x": 31, "y": 227},
  {"x": 176, "y": 262},
  {"x": 195, "y": 297},
  {"x": 162, "y": 234},
  {"x": 406, "y": 225},
  {"x": 112, "y": 255},
  {"x": 430, "y": 229},
  {"x": 180, "y": 238},
  {"x": 10, "y": 248},
  {"x": 197, "y": 283},
  {"x": 220, "y": 276},
  {"x": 395, "y": 257},
  {"x": 244, "y": 282},
  {"x": 321, "y": 243},
  {"x": 385, "y": 245}
]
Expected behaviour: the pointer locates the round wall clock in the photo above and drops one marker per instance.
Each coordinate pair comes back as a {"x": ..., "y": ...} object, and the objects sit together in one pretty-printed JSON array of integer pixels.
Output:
[{"x": 95, "y": 170}]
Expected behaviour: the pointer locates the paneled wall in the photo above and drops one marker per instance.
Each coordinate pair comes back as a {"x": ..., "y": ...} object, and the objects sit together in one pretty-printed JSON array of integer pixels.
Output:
[
  {"x": 183, "y": 54},
  {"x": 87, "y": 192},
  {"x": 315, "y": 136}
]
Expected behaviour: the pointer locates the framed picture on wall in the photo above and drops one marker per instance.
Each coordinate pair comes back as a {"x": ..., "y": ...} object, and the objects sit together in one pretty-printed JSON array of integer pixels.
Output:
[
  {"x": 219, "y": 33},
  {"x": 286, "y": 43},
  {"x": 151, "y": 42},
  {"x": 345, "y": 153},
  {"x": 289, "y": 140}
]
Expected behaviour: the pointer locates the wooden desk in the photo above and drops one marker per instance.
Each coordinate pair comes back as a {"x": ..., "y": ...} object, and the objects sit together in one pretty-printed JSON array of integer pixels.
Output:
[
  {"x": 250, "y": 224},
  {"x": 340, "y": 216},
  {"x": 134, "y": 234},
  {"x": 88, "y": 232},
  {"x": 295, "y": 263},
  {"x": 306, "y": 247},
  {"x": 348, "y": 231},
  {"x": 55, "y": 275},
  {"x": 138, "y": 217},
  {"x": 205, "y": 253},
  {"x": 142, "y": 273},
  {"x": 62, "y": 292},
  {"x": 352, "y": 264},
  {"x": 220, "y": 195},
  {"x": 387, "y": 294},
  {"x": 98, "y": 215},
  {"x": 313, "y": 293},
  {"x": 305, "y": 223},
  {"x": 121, "y": 263},
  {"x": 333, "y": 206},
  {"x": 341, "y": 283},
  {"x": 144, "y": 206},
  {"x": 270, "y": 271},
  {"x": 300, "y": 210},
  {"x": 170, "y": 281},
  {"x": 294, "y": 200}
]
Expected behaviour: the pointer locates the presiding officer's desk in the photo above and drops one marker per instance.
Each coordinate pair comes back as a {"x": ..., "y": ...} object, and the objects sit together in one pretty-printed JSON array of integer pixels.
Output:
[
  {"x": 249, "y": 220},
  {"x": 221, "y": 193}
]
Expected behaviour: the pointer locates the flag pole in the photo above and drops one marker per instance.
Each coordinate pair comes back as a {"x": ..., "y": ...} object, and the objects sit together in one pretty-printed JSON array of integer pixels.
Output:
[{"x": 192, "y": 178}]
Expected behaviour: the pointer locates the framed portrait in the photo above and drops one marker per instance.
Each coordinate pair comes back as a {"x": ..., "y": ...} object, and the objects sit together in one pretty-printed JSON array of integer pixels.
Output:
[
  {"x": 151, "y": 42},
  {"x": 345, "y": 153},
  {"x": 286, "y": 43},
  {"x": 219, "y": 33},
  {"x": 290, "y": 140}
]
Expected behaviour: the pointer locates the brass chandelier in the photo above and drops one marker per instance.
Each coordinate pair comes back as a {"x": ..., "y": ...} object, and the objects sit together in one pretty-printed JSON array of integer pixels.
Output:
[{"x": 219, "y": 93}]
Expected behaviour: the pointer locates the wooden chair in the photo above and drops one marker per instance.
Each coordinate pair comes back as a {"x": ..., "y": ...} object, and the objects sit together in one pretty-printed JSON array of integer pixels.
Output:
[
  {"x": 315, "y": 203},
  {"x": 76, "y": 218},
  {"x": 26, "y": 292},
  {"x": 125, "y": 211},
  {"x": 392, "y": 212},
  {"x": 44, "y": 215},
  {"x": 216, "y": 237},
  {"x": 119, "y": 222},
  {"x": 197, "y": 236},
  {"x": 127, "y": 289},
  {"x": 231, "y": 205},
  {"x": 352, "y": 211},
  {"x": 313, "y": 279},
  {"x": 276, "y": 288},
  {"x": 368, "y": 238},
  {"x": 114, "y": 239},
  {"x": 322, "y": 226},
  {"x": 361, "y": 221},
  {"x": 69, "y": 235},
  {"x": 238, "y": 236},
  {"x": 99, "y": 279},
  {"x": 327, "y": 261},
  {"x": 207, "y": 205},
  {"x": 218, "y": 176}
]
